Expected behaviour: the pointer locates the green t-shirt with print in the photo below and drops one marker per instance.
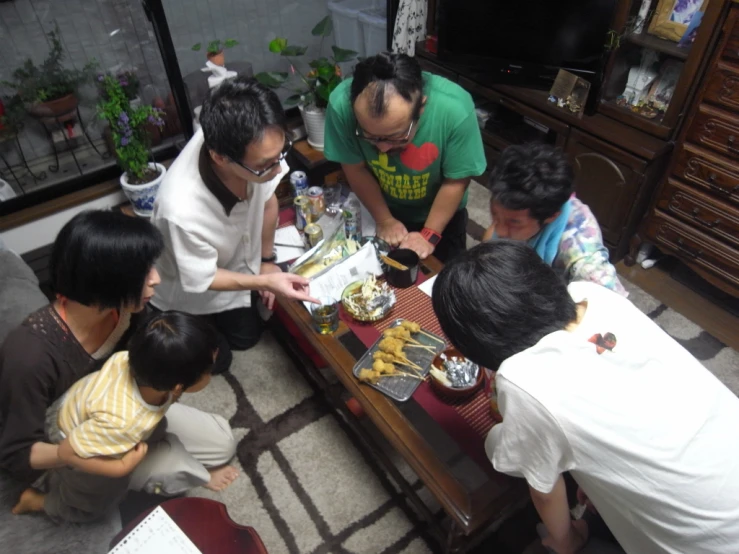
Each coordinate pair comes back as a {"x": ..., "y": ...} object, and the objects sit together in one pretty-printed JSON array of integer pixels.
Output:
[{"x": 447, "y": 145}]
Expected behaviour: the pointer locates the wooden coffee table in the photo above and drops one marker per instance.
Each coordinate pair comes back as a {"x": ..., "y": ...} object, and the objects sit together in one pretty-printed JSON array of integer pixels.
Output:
[{"x": 470, "y": 499}]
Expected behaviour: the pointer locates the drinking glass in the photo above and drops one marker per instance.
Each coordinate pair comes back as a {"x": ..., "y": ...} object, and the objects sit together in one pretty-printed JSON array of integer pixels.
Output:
[
  {"x": 325, "y": 315},
  {"x": 332, "y": 197}
]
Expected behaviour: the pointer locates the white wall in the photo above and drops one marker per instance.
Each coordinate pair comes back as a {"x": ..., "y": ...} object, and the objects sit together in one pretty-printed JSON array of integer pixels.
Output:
[{"x": 43, "y": 231}]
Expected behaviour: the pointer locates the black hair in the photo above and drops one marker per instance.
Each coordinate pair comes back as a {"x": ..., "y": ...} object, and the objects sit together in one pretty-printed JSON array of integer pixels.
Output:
[
  {"x": 536, "y": 177},
  {"x": 101, "y": 258},
  {"x": 388, "y": 72},
  {"x": 172, "y": 348},
  {"x": 498, "y": 299},
  {"x": 237, "y": 113}
]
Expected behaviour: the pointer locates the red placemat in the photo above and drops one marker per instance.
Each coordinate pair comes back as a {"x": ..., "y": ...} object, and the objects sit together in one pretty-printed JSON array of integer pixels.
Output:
[{"x": 467, "y": 420}]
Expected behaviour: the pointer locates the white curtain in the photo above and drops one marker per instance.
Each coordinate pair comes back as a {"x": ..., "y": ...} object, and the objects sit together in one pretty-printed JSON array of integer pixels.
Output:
[{"x": 410, "y": 26}]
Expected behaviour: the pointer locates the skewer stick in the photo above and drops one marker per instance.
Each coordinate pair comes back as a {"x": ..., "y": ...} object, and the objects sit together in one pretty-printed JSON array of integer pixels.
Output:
[
  {"x": 425, "y": 347},
  {"x": 429, "y": 335}
]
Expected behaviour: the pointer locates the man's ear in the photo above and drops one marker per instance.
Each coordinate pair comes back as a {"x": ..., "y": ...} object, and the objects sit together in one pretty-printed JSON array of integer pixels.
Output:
[
  {"x": 177, "y": 391},
  {"x": 548, "y": 220},
  {"x": 423, "y": 105},
  {"x": 218, "y": 159}
]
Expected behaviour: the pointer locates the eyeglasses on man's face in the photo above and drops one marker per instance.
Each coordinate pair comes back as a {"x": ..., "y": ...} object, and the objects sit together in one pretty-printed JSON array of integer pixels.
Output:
[
  {"x": 398, "y": 139},
  {"x": 271, "y": 165}
]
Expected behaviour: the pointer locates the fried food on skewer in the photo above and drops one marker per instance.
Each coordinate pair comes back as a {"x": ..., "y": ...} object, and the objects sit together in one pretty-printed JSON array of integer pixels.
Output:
[
  {"x": 399, "y": 333},
  {"x": 392, "y": 346},
  {"x": 380, "y": 370},
  {"x": 414, "y": 328},
  {"x": 404, "y": 335},
  {"x": 410, "y": 326},
  {"x": 391, "y": 358}
]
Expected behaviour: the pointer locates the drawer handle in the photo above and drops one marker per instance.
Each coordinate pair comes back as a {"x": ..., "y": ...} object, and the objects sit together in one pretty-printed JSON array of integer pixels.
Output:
[
  {"x": 685, "y": 250},
  {"x": 704, "y": 222},
  {"x": 712, "y": 177},
  {"x": 731, "y": 144}
]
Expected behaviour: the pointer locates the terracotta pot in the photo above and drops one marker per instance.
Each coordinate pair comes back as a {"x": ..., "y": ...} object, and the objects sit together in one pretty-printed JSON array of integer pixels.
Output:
[
  {"x": 218, "y": 58},
  {"x": 55, "y": 109}
]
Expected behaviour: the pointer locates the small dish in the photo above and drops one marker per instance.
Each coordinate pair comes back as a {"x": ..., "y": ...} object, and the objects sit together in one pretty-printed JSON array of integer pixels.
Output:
[
  {"x": 453, "y": 393},
  {"x": 354, "y": 288},
  {"x": 402, "y": 278}
]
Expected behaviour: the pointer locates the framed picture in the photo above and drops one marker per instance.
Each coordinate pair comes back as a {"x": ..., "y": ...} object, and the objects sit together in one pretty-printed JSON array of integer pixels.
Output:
[{"x": 672, "y": 17}]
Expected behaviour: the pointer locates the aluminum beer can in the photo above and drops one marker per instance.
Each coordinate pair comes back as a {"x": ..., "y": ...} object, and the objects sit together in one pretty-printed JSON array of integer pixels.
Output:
[
  {"x": 313, "y": 233},
  {"x": 299, "y": 182},
  {"x": 302, "y": 212},
  {"x": 318, "y": 205}
]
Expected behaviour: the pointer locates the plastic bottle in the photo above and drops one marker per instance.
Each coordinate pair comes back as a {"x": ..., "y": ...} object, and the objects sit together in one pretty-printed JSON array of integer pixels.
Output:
[{"x": 353, "y": 218}]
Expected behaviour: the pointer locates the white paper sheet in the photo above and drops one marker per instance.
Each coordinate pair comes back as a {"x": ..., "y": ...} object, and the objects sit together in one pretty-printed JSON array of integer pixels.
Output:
[
  {"x": 288, "y": 235},
  {"x": 157, "y": 534},
  {"x": 354, "y": 268},
  {"x": 427, "y": 285}
]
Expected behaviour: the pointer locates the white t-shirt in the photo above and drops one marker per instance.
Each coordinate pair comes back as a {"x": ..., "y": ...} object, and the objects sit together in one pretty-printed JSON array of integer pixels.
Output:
[
  {"x": 649, "y": 434},
  {"x": 201, "y": 235}
]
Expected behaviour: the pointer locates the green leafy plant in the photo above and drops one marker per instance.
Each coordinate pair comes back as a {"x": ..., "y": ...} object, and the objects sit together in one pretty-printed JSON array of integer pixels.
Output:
[
  {"x": 130, "y": 128},
  {"x": 215, "y": 46},
  {"x": 50, "y": 80},
  {"x": 324, "y": 75}
]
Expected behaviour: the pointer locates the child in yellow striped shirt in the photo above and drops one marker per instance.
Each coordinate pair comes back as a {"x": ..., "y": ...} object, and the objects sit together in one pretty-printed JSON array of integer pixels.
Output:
[{"x": 106, "y": 417}]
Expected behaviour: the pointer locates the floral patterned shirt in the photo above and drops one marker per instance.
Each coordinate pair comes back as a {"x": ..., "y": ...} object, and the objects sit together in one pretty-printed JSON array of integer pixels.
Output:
[{"x": 582, "y": 255}]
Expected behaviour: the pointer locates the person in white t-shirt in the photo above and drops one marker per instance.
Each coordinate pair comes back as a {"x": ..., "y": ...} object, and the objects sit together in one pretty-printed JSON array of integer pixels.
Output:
[
  {"x": 218, "y": 213},
  {"x": 588, "y": 384}
]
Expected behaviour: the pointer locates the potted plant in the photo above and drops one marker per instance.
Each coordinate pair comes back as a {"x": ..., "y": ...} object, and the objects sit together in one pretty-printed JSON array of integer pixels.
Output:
[
  {"x": 316, "y": 85},
  {"x": 49, "y": 89},
  {"x": 214, "y": 50},
  {"x": 131, "y": 139}
]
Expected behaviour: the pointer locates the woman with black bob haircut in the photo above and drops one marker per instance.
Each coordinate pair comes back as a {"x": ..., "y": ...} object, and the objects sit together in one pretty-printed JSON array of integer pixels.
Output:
[
  {"x": 498, "y": 299},
  {"x": 102, "y": 259},
  {"x": 103, "y": 274}
]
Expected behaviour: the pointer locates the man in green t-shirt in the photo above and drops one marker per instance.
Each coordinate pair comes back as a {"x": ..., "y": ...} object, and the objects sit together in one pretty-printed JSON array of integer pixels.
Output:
[{"x": 408, "y": 143}]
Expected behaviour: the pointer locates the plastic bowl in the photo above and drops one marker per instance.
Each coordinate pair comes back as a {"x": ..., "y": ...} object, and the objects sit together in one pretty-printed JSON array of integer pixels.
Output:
[{"x": 452, "y": 393}]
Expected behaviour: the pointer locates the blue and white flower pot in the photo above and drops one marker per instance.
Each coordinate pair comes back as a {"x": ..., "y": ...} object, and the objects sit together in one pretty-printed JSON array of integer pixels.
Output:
[{"x": 142, "y": 196}]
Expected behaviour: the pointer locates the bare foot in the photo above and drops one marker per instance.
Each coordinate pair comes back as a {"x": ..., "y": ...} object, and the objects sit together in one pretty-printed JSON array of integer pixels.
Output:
[
  {"x": 221, "y": 477},
  {"x": 31, "y": 500}
]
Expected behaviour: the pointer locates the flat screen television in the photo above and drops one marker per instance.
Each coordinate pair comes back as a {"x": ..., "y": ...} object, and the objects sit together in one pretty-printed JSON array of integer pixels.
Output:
[{"x": 526, "y": 42}]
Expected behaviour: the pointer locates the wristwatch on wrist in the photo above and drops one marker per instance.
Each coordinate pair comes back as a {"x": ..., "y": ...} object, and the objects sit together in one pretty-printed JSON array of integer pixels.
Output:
[
  {"x": 270, "y": 259},
  {"x": 431, "y": 236}
]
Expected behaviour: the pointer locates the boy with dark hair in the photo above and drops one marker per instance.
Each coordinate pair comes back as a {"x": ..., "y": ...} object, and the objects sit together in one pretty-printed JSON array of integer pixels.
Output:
[
  {"x": 533, "y": 200},
  {"x": 588, "y": 384},
  {"x": 408, "y": 143},
  {"x": 105, "y": 418},
  {"x": 218, "y": 212}
]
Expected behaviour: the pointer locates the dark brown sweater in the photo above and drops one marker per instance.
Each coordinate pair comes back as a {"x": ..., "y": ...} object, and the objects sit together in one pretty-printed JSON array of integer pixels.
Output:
[{"x": 39, "y": 361}]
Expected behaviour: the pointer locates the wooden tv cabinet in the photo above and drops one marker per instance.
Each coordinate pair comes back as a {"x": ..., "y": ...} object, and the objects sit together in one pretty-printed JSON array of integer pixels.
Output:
[{"x": 617, "y": 167}]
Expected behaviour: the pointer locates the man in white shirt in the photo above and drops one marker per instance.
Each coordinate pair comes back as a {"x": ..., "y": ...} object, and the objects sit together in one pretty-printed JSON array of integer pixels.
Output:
[
  {"x": 588, "y": 384},
  {"x": 218, "y": 213}
]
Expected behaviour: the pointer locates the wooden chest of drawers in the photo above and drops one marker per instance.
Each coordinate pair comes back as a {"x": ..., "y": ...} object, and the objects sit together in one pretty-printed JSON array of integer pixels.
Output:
[{"x": 695, "y": 212}]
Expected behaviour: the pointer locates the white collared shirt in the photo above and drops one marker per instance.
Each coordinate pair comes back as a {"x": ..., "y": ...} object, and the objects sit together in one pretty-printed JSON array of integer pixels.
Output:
[{"x": 201, "y": 237}]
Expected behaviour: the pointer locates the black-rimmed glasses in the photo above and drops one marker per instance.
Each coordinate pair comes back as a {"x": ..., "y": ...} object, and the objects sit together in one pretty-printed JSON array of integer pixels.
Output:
[
  {"x": 387, "y": 140},
  {"x": 260, "y": 172}
]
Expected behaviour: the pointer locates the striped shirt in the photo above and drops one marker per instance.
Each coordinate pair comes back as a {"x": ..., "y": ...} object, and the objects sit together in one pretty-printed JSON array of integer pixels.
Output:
[{"x": 104, "y": 414}]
